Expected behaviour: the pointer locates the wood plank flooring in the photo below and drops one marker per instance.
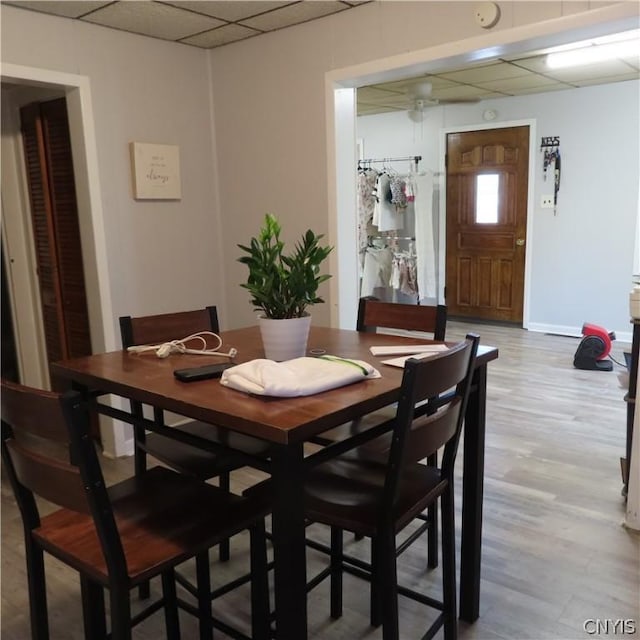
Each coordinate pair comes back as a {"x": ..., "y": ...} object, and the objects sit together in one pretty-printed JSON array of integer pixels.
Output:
[{"x": 555, "y": 550}]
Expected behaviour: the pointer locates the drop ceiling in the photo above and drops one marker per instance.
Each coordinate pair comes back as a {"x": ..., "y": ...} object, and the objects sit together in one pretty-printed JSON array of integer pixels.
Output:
[
  {"x": 200, "y": 23},
  {"x": 209, "y": 24},
  {"x": 515, "y": 75}
]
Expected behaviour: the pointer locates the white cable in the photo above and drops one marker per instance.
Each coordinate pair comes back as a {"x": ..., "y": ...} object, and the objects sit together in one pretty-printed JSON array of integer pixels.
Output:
[{"x": 165, "y": 349}]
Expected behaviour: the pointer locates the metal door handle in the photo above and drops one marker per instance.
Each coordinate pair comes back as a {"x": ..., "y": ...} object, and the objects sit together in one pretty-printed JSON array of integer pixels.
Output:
[{"x": 520, "y": 242}]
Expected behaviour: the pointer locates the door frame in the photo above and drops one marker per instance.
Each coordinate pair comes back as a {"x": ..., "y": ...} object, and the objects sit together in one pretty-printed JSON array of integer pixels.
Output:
[
  {"x": 442, "y": 226},
  {"x": 116, "y": 441}
]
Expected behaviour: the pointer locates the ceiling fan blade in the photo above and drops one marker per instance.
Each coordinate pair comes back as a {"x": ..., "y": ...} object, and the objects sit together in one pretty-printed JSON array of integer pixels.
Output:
[{"x": 459, "y": 101}]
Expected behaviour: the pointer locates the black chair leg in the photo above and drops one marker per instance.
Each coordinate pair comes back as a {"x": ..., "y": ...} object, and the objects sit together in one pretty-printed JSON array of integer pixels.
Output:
[
  {"x": 172, "y": 622},
  {"x": 120, "y": 612},
  {"x": 140, "y": 467},
  {"x": 37, "y": 591},
  {"x": 93, "y": 612},
  {"x": 260, "y": 609},
  {"x": 375, "y": 613},
  {"x": 337, "y": 561},
  {"x": 449, "y": 565},
  {"x": 203, "y": 581},
  {"x": 225, "y": 485},
  {"x": 387, "y": 583},
  {"x": 432, "y": 533}
]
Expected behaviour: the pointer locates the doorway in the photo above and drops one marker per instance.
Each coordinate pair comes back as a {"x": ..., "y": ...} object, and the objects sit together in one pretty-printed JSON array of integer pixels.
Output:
[
  {"x": 341, "y": 86},
  {"x": 486, "y": 223},
  {"x": 115, "y": 436},
  {"x": 56, "y": 232}
]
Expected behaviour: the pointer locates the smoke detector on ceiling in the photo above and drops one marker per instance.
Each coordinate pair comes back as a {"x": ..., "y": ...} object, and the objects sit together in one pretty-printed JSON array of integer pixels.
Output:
[{"x": 487, "y": 14}]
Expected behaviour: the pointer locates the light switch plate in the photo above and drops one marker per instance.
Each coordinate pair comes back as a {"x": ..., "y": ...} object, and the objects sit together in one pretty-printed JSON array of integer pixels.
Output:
[{"x": 546, "y": 202}]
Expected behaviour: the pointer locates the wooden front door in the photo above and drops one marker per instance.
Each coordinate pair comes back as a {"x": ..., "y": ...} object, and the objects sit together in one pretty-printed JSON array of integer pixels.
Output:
[{"x": 487, "y": 175}]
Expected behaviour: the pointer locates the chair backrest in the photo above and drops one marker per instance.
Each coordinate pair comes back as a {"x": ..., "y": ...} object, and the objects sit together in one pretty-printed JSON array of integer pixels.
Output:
[
  {"x": 48, "y": 452},
  {"x": 157, "y": 329},
  {"x": 415, "y": 438},
  {"x": 373, "y": 314},
  {"x": 161, "y": 328}
]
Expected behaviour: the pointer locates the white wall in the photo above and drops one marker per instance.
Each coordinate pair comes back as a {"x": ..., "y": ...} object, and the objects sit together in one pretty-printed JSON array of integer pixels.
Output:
[
  {"x": 582, "y": 257},
  {"x": 162, "y": 255}
]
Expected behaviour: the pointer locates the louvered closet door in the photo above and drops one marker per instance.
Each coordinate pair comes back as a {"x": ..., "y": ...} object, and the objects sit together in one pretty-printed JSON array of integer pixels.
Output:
[{"x": 54, "y": 215}]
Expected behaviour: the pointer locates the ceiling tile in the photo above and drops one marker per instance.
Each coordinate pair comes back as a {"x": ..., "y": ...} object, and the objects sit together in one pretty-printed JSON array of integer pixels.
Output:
[
  {"x": 473, "y": 75},
  {"x": 374, "y": 93},
  {"x": 294, "y": 14},
  {"x": 461, "y": 91},
  {"x": 397, "y": 102},
  {"x": 66, "y": 8},
  {"x": 152, "y": 19},
  {"x": 222, "y": 35},
  {"x": 231, "y": 11},
  {"x": 411, "y": 85},
  {"x": 558, "y": 86},
  {"x": 509, "y": 85}
]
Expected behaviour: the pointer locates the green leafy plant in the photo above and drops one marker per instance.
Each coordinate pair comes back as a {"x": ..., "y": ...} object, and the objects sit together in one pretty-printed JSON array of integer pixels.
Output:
[{"x": 281, "y": 285}]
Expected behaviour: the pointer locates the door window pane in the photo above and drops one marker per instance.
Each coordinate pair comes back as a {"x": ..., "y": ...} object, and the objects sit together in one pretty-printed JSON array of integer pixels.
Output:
[{"x": 487, "y": 186}]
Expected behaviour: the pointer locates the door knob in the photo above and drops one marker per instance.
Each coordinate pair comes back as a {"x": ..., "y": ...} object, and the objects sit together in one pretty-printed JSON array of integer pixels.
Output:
[{"x": 520, "y": 242}]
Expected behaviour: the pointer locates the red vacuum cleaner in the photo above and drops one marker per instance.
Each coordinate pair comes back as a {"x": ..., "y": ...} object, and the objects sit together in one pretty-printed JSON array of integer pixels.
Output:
[{"x": 594, "y": 347}]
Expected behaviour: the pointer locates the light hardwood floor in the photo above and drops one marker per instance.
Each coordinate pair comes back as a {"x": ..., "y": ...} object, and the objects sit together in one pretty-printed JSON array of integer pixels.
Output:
[{"x": 555, "y": 551}]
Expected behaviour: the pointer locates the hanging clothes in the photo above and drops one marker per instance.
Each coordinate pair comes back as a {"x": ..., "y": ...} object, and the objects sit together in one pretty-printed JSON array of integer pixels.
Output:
[
  {"x": 386, "y": 216},
  {"x": 404, "y": 273},
  {"x": 422, "y": 186},
  {"x": 377, "y": 269},
  {"x": 366, "y": 201}
]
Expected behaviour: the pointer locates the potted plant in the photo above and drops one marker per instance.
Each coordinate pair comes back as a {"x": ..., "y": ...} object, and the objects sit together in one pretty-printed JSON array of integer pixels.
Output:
[{"x": 282, "y": 286}]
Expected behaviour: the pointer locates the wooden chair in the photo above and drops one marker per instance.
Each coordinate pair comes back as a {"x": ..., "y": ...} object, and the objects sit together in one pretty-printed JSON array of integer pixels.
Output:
[
  {"x": 376, "y": 491},
  {"x": 372, "y": 316},
  {"x": 182, "y": 457},
  {"x": 120, "y": 536}
]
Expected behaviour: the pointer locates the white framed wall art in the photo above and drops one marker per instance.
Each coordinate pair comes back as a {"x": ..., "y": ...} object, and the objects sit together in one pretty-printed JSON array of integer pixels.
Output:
[{"x": 156, "y": 171}]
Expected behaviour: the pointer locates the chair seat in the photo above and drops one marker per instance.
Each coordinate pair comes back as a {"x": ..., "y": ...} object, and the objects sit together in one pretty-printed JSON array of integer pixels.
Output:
[
  {"x": 150, "y": 513},
  {"x": 197, "y": 462},
  {"x": 345, "y": 492}
]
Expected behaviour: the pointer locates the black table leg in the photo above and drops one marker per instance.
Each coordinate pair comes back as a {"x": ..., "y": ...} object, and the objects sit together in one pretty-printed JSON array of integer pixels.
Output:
[
  {"x": 472, "y": 495},
  {"x": 288, "y": 533}
]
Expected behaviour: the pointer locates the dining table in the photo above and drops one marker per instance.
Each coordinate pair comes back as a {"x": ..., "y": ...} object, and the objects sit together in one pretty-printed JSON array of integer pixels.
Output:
[{"x": 288, "y": 424}]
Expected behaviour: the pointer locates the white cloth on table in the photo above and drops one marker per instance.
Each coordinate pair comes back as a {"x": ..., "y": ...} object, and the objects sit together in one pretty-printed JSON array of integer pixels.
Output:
[{"x": 298, "y": 377}]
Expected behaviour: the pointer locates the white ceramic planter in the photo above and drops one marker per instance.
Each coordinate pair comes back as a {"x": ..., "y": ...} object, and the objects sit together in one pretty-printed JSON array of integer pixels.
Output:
[{"x": 284, "y": 339}]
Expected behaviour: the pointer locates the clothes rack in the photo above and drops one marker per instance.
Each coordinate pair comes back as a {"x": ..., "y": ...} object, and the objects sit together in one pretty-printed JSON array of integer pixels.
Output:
[{"x": 366, "y": 161}]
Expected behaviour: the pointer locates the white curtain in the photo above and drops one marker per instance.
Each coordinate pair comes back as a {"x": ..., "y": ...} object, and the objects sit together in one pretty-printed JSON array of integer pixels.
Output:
[{"x": 425, "y": 241}]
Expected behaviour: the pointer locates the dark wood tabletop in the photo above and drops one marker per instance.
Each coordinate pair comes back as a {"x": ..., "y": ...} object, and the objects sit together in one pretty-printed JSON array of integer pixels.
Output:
[{"x": 279, "y": 420}]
